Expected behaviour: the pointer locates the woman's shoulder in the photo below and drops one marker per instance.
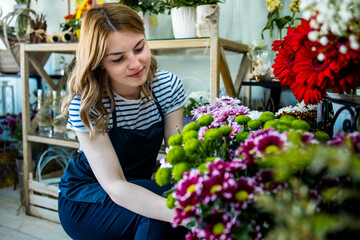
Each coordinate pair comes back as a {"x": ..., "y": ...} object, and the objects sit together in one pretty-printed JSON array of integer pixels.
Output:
[{"x": 163, "y": 78}]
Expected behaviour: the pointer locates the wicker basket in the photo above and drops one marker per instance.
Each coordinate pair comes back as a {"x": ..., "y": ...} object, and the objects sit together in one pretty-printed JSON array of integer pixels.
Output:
[{"x": 10, "y": 58}]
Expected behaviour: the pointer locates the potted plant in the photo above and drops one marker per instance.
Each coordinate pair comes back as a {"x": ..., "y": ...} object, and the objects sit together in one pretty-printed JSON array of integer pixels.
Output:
[
  {"x": 148, "y": 10},
  {"x": 183, "y": 17},
  {"x": 207, "y": 18}
]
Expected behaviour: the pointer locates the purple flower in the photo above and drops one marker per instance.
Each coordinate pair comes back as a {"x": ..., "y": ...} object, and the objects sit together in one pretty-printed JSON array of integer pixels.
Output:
[
  {"x": 260, "y": 143},
  {"x": 265, "y": 180}
]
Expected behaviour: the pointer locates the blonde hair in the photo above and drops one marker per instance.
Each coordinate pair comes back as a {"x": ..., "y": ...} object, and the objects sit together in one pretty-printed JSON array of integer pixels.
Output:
[{"x": 88, "y": 79}]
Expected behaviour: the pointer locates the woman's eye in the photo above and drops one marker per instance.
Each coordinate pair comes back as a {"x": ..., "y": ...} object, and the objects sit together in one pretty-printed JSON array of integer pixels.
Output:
[
  {"x": 120, "y": 59},
  {"x": 139, "y": 49}
]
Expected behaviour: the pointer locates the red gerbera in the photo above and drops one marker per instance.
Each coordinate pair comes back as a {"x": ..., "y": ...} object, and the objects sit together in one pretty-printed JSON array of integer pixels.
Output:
[
  {"x": 311, "y": 74},
  {"x": 285, "y": 59}
]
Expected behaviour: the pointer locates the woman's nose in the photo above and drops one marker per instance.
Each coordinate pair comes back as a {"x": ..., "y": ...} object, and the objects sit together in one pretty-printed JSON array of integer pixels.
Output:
[{"x": 134, "y": 62}]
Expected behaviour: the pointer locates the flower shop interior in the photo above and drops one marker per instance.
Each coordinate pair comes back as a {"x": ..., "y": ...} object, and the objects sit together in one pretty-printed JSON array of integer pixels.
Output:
[{"x": 269, "y": 146}]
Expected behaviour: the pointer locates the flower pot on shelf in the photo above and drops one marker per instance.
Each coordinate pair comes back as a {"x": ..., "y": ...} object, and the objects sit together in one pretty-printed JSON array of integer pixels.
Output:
[
  {"x": 150, "y": 25},
  {"x": 184, "y": 22},
  {"x": 207, "y": 20}
]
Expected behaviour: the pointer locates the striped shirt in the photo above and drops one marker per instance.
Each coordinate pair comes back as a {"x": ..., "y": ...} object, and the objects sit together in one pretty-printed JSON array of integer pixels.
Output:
[{"x": 136, "y": 114}]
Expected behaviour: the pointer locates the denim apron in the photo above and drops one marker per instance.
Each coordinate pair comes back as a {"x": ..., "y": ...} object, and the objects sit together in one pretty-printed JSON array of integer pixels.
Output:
[{"x": 137, "y": 152}]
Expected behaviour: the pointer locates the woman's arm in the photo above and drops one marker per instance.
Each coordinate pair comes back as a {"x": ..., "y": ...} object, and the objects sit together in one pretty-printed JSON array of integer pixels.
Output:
[
  {"x": 106, "y": 167},
  {"x": 173, "y": 121}
]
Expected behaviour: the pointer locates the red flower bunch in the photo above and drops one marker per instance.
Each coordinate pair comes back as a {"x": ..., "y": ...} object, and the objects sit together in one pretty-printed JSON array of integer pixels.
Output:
[{"x": 310, "y": 68}]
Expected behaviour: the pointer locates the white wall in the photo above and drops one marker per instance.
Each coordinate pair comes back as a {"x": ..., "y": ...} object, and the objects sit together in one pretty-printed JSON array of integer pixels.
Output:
[{"x": 240, "y": 20}]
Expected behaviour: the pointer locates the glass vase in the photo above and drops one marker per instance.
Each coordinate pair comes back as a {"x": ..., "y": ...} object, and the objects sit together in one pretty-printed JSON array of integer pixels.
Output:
[
  {"x": 58, "y": 122},
  {"x": 44, "y": 115}
]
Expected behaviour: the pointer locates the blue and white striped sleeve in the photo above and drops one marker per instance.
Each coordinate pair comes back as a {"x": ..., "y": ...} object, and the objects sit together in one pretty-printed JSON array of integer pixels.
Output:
[
  {"x": 169, "y": 91},
  {"x": 74, "y": 122}
]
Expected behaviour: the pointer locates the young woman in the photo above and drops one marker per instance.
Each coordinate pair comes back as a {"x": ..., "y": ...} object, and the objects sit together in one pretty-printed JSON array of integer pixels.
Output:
[{"x": 121, "y": 108}]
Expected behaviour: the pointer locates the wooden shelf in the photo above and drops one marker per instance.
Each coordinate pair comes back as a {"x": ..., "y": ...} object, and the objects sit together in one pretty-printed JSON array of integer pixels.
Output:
[
  {"x": 53, "y": 141},
  {"x": 39, "y": 198}
]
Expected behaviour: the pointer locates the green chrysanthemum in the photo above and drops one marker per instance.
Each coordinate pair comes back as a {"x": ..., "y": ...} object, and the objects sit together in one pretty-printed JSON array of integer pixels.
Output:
[
  {"x": 202, "y": 167},
  {"x": 266, "y": 116},
  {"x": 242, "y": 119},
  {"x": 191, "y": 145},
  {"x": 299, "y": 124},
  {"x": 206, "y": 120},
  {"x": 225, "y": 130},
  {"x": 179, "y": 170},
  {"x": 241, "y": 136},
  {"x": 163, "y": 176},
  {"x": 213, "y": 134},
  {"x": 175, "y": 140},
  {"x": 170, "y": 201},
  {"x": 192, "y": 134},
  {"x": 271, "y": 124},
  {"x": 254, "y": 124},
  {"x": 175, "y": 155},
  {"x": 322, "y": 136},
  {"x": 191, "y": 126}
]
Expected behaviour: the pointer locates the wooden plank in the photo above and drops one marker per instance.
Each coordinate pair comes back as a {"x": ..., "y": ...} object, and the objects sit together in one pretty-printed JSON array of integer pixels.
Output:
[
  {"x": 226, "y": 76},
  {"x": 52, "y": 47},
  {"x": 233, "y": 46},
  {"x": 43, "y": 188},
  {"x": 44, "y": 213},
  {"x": 43, "y": 201},
  {"x": 38, "y": 67},
  {"x": 54, "y": 141},
  {"x": 244, "y": 69},
  {"x": 214, "y": 68},
  {"x": 179, "y": 43},
  {"x": 25, "y": 105}
]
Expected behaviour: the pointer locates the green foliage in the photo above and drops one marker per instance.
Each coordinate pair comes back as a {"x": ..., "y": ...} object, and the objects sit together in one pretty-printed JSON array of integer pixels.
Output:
[
  {"x": 153, "y": 6},
  {"x": 192, "y": 104},
  {"x": 191, "y": 3}
]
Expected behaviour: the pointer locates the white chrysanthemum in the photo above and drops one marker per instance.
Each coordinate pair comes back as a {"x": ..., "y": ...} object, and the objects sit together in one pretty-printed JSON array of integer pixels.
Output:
[
  {"x": 321, "y": 57},
  {"x": 313, "y": 35},
  {"x": 324, "y": 40}
]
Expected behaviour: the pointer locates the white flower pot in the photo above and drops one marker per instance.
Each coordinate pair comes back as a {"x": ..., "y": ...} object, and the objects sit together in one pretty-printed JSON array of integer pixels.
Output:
[
  {"x": 183, "y": 22},
  {"x": 207, "y": 20}
]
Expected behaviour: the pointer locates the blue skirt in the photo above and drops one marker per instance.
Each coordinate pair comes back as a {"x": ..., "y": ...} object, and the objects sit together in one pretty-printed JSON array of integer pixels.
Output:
[{"x": 83, "y": 220}]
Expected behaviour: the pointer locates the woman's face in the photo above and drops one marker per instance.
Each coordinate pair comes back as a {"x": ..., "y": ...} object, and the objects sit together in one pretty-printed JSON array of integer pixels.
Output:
[{"x": 127, "y": 61}]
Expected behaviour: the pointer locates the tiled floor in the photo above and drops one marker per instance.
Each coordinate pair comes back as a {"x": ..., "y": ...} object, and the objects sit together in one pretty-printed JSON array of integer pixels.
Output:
[{"x": 15, "y": 224}]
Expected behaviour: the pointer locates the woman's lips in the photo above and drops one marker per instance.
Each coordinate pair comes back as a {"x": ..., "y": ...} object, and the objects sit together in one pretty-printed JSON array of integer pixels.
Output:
[{"x": 138, "y": 74}]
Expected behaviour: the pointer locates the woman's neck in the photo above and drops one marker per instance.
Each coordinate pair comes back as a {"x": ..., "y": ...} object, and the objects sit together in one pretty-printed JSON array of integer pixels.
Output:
[{"x": 129, "y": 95}]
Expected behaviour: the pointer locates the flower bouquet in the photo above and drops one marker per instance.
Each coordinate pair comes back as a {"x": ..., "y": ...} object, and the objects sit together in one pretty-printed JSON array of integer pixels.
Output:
[
  {"x": 323, "y": 52},
  {"x": 230, "y": 166}
]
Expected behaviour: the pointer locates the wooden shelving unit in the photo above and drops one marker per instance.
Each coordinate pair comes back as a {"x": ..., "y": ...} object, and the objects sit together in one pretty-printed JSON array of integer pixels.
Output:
[{"x": 41, "y": 199}]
